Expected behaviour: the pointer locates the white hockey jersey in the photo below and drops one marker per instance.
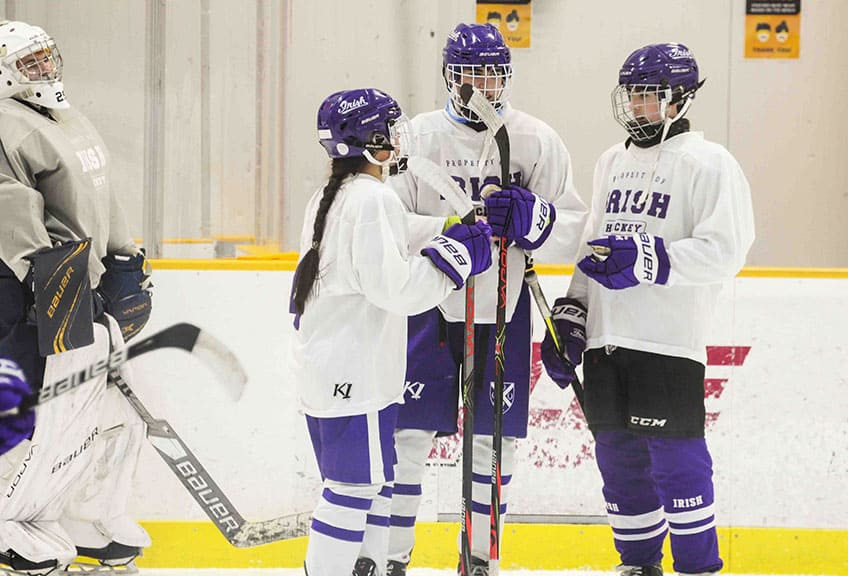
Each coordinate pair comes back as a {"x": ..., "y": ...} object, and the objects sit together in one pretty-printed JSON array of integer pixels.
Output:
[
  {"x": 539, "y": 162},
  {"x": 55, "y": 187},
  {"x": 700, "y": 204},
  {"x": 349, "y": 353}
]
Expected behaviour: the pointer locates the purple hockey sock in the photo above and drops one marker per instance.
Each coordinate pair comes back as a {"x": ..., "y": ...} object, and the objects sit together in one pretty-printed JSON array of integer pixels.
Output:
[
  {"x": 633, "y": 507},
  {"x": 683, "y": 471}
]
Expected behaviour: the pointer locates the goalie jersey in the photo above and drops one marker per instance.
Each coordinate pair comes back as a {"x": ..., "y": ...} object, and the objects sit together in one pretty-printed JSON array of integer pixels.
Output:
[
  {"x": 539, "y": 162},
  {"x": 54, "y": 187}
]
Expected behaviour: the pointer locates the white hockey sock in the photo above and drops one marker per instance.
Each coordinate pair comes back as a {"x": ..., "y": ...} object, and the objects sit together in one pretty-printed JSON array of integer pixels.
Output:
[
  {"x": 481, "y": 491},
  {"x": 375, "y": 545},
  {"x": 338, "y": 527},
  {"x": 412, "y": 448}
]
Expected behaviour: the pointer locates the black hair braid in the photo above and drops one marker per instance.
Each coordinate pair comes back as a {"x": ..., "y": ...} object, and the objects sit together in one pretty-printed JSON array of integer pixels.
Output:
[{"x": 307, "y": 269}]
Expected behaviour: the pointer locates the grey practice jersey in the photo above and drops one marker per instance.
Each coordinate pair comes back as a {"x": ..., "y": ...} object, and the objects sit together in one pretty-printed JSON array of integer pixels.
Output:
[
  {"x": 538, "y": 162},
  {"x": 700, "y": 204},
  {"x": 54, "y": 187}
]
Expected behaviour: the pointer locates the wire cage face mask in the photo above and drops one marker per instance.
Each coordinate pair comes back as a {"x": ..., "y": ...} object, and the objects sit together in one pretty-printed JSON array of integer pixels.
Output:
[
  {"x": 494, "y": 81},
  {"x": 641, "y": 109},
  {"x": 37, "y": 63},
  {"x": 31, "y": 66},
  {"x": 399, "y": 142}
]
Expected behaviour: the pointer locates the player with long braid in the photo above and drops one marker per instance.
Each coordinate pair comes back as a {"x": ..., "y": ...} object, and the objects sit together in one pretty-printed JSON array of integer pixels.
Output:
[
  {"x": 671, "y": 220},
  {"x": 354, "y": 287},
  {"x": 538, "y": 209}
]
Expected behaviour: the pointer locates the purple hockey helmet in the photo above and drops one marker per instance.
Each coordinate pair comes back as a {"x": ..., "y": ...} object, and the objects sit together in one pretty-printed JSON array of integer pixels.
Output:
[
  {"x": 477, "y": 54},
  {"x": 353, "y": 121},
  {"x": 655, "y": 75}
]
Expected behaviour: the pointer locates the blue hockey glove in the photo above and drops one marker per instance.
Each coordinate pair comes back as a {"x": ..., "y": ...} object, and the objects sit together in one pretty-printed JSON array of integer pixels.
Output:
[{"x": 126, "y": 291}]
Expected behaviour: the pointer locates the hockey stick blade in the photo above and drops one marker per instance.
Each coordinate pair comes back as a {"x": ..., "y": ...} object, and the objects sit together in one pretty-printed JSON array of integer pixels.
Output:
[
  {"x": 183, "y": 336},
  {"x": 478, "y": 104},
  {"x": 205, "y": 491},
  {"x": 430, "y": 173}
]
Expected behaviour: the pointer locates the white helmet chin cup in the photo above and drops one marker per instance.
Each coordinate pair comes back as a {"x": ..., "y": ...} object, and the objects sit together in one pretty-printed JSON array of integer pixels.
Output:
[{"x": 30, "y": 66}]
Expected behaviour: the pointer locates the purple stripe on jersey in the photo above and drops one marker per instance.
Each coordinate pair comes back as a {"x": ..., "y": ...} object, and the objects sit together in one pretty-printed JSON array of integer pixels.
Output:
[
  {"x": 346, "y": 501},
  {"x": 403, "y": 521},
  {"x": 385, "y": 492},
  {"x": 644, "y": 530},
  {"x": 487, "y": 479},
  {"x": 376, "y": 520},
  {"x": 408, "y": 489},
  {"x": 337, "y": 533},
  {"x": 485, "y": 508}
]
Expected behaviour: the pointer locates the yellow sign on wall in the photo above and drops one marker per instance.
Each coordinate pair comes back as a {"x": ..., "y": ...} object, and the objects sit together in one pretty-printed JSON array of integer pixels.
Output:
[
  {"x": 773, "y": 29},
  {"x": 511, "y": 18}
]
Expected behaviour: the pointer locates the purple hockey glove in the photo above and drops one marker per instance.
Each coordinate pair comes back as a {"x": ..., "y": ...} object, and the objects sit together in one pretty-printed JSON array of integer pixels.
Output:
[
  {"x": 14, "y": 427},
  {"x": 626, "y": 261},
  {"x": 519, "y": 215},
  {"x": 569, "y": 317},
  {"x": 462, "y": 251}
]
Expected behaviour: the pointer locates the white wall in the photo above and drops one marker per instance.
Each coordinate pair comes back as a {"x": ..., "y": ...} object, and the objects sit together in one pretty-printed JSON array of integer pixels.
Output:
[
  {"x": 780, "y": 118},
  {"x": 777, "y": 426}
]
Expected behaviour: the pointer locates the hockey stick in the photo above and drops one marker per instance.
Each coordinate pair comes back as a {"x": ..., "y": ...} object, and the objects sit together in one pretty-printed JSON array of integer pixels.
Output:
[
  {"x": 205, "y": 491},
  {"x": 430, "y": 173},
  {"x": 182, "y": 336},
  {"x": 542, "y": 303},
  {"x": 484, "y": 110}
]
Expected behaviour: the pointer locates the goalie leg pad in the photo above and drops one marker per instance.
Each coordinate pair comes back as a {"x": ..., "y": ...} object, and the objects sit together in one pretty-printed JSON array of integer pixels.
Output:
[
  {"x": 36, "y": 543},
  {"x": 96, "y": 514}
]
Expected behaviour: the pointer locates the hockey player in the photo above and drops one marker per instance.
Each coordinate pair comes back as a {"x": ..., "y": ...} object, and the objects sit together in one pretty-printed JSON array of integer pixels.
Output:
[
  {"x": 538, "y": 209},
  {"x": 68, "y": 269},
  {"x": 671, "y": 219},
  {"x": 354, "y": 287}
]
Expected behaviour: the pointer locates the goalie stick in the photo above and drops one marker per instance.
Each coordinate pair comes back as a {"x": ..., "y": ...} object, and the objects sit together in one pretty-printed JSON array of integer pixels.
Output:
[
  {"x": 168, "y": 444},
  {"x": 183, "y": 336},
  {"x": 205, "y": 491},
  {"x": 430, "y": 173},
  {"x": 484, "y": 110}
]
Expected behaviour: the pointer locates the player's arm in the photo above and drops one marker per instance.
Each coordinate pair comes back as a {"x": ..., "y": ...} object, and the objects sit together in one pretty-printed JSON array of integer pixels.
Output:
[
  {"x": 22, "y": 230},
  {"x": 395, "y": 279},
  {"x": 724, "y": 229},
  {"x": 421, "y": 228}
]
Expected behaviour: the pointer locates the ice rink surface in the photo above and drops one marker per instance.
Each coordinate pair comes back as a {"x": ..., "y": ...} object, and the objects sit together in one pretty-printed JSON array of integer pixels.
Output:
[{"x": 412, "y": 572}]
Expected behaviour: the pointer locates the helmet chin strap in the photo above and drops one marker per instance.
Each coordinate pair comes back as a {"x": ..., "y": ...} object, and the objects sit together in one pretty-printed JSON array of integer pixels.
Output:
[{"x": 384, "y": 165}]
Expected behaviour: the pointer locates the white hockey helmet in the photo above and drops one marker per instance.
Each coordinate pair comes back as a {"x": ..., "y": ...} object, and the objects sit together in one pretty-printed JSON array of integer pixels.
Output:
[{"x": 30, "y": 66}]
